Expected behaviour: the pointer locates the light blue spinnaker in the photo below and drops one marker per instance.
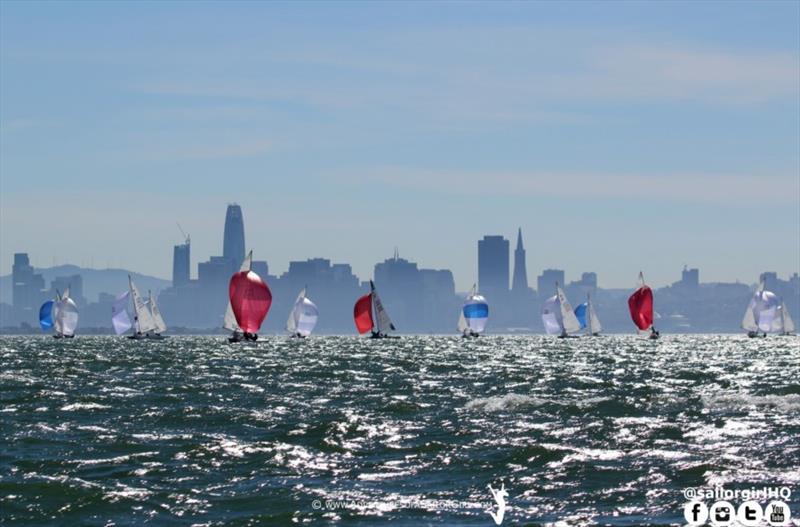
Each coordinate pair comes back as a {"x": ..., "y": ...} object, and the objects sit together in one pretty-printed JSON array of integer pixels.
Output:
[
  {"x": 580, "y": 313},
  {"x": 46, "y": 315}
]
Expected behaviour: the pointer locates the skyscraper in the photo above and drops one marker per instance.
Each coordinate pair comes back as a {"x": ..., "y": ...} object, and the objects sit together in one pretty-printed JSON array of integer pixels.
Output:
[
  {"x": 27, "y": 285},
  {"x": 546, "y": 282},
  {"x": 493, "y": 265},
  {"x": 233, "y": 241},
  {"x": 181, "y": 264},
  {"x": 519, "y": 283}
]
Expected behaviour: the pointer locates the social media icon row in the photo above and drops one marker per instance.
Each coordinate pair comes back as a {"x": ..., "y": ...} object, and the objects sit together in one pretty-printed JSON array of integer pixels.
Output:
[{"x": 749, "y": 513}]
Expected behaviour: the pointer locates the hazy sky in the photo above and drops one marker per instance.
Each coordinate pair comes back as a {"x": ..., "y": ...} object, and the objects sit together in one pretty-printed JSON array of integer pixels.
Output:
[{"x": 619, "y": 136}]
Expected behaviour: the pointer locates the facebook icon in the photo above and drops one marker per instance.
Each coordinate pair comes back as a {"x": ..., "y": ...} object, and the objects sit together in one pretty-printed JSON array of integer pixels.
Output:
[{"x": 695, "y": 513}]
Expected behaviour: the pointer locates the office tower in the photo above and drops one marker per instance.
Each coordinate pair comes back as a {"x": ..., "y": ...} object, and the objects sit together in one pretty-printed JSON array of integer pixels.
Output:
[
  {"x": 233, "y": 241},
  {"x": 546, "y": 282},
  {"x": 493, "y": 265},
  {"x": 27, "y": 286},
  {"x": 520, "y": 280},
  {"x": 181, "y": 264}
]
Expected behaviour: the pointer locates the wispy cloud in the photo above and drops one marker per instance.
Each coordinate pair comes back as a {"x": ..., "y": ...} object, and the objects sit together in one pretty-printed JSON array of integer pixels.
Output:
[{"x": 685, "y": 187}]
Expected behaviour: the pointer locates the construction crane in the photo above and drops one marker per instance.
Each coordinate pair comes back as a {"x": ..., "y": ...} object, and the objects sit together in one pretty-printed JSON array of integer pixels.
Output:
[{"x": 186, "y": 238}]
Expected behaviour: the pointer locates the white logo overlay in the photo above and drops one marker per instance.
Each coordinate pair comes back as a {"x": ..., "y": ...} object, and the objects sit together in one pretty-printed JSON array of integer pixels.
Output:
[
  {"x": 695, "y": 513},
  {"x": 777, "y": 513},
  {"x": 499, "y": 496}
]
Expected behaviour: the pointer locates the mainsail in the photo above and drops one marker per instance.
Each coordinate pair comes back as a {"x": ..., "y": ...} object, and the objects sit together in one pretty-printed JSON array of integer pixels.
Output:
[
  {"x": 474, "y": 313},
  {"x": 568, "y": 320},
  {"x": 593, "y": 324},
  {"x": 303, "y": 317},
  {"x": 384, "y": 323},
  {"x": 250, "y": 299},
  {"x": 119, "y": 314},
  {"x": 158, "y": 320},
  {"x": 640, "y": 305},
  {"x": 65, "y": 315},
  {"x": 46, "y": 315},
  {"x": 142, "y": 320},
  {"x": 229, "y": 322}
]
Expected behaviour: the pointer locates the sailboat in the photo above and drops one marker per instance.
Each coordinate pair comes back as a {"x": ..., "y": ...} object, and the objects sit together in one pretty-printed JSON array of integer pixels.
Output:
[
  {"x": 764, "y": 314},
  {"x": 143, "y": 322},
  {"x": 640, "y": 304},
  {"x": 587, "y": 317},
  {"x": 378, "y": 324},
  {"x": 303, "y": 316},
  {"x": 474, "y": 315},
  {"x": 250, "y": 300},
  {"x": 229, "y": 322},
  {"x": 60, "y": 314},
  {"x": 158, "y": 320},
  {"x": 557, "y": 315}
]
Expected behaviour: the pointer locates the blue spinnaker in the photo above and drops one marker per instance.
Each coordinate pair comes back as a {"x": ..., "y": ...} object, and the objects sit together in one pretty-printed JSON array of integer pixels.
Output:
[
  {"x": 46, "y": 315},
  {"x": 580, "y": 313}
]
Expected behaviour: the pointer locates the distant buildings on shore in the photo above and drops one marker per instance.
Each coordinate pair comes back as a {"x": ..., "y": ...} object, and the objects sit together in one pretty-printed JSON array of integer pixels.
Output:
[{"x": 420, "y": 300}]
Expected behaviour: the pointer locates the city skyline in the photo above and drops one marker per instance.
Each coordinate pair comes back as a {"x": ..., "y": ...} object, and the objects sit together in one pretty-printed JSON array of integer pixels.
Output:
[
  {"x": 619, "y": 137},
  {"x": 421, "y": 299}
]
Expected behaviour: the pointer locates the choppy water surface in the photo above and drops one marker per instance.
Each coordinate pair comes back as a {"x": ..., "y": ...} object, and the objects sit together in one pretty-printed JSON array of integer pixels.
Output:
[{"x": 197, "y": 431}]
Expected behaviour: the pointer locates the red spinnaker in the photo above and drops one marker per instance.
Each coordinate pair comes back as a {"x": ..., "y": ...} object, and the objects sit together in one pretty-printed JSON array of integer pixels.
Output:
[
  {"x": 362, "y": 313},
  {"x": 641, "y": 306},
  {"x": 250, "y": 300}
]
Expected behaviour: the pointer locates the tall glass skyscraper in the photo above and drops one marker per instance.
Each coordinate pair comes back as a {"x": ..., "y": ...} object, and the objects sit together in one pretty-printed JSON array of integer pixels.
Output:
[
  {"x": 233, "y": 242},
  {"x": 493, "y": 265},
  {"x": 181, "y": 263}
]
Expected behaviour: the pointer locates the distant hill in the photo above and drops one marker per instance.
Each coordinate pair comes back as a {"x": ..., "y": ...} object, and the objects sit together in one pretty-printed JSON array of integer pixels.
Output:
[{"x": 95, "y": 281}]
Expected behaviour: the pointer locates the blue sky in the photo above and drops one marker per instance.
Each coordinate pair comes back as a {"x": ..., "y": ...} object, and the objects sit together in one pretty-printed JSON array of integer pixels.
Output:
[{"x": 619, "y": 136}]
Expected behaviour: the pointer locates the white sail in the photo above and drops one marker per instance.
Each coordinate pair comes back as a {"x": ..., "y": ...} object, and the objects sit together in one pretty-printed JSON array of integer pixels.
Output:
[
  {"x": 382, "y": 320},
  {"x": 568, "y": 319},
  {"x": 229, "y": 322},
  {"x": 788, "y": 323},
  {"x": 158, "y": 320},
  {"x": 142, "y": 319},
  {"x": 592, "y": 322},
  {"x": 551, "y": 316},
  {"x": 749, "y": 319},
  {"x": 119, "y": 314},
  {"x": 306, "y": 316},
  {"x": 291, "y": 323},
  {"x": 462, "y": 322},
  {"x": 66, "y": 315}
]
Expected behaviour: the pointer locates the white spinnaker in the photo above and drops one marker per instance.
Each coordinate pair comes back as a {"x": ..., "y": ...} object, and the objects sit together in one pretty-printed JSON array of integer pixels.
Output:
[
  {"x": 551, "y": 316},
  {"x": 307, "y": 314},
  {"x": 158, "y": 320},
  {"x": 593, "y": 323},
  {"x": 142, "y": 319},
  {"x": 382, "y": 317},
  {"x": 66, "y": 316},
  {"x": 766, "y": 311},
  {"x": 229, "y": 322},
  {"x": 568, "y": 318},
  {"x": 119, "y": 314}
]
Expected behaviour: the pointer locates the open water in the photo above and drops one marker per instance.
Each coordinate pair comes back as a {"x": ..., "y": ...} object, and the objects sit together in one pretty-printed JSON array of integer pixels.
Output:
[{"x": 346, "y": 431}]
